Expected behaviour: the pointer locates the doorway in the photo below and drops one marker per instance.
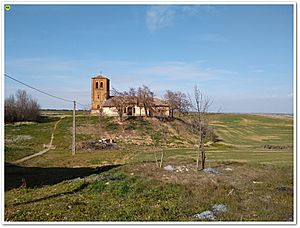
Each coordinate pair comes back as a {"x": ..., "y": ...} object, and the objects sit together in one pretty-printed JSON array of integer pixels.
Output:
[{"x": 129, "y": 111}]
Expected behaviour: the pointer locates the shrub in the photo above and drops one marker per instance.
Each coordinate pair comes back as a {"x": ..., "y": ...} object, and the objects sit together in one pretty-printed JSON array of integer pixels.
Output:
[{"x": 21, "y": 107}]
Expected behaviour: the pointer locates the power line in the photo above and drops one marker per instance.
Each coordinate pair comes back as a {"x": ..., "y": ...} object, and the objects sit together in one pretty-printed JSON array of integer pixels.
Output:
[
  {"x": 84, "y": 106},
  {"x": 37, "y": 89},
  {"x": 48, "y": 94}
]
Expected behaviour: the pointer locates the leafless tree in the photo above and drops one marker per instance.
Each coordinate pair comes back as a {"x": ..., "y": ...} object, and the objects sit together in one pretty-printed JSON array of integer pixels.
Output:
[
  {"x": 162, "y": 135},
  {"x": 10, "y": 109},
  {"x": 119, "y": 101},
  {"x": 164, "y": 138},
  {"x": 145, "y": 98},
  {"x": 132, "y": 96},
  {"x": 21, "y": 107},
  {"x": 200, "y": 121},
  {"x": 177, "y": 101}
]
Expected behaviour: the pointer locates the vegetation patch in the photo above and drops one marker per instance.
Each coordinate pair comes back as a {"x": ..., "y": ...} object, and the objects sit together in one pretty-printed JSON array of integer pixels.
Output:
[{"x": 255, "y": 182}]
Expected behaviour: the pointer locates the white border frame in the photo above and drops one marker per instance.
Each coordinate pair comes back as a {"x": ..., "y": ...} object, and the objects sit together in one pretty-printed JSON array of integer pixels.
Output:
[{"x": 124, "y": 2}]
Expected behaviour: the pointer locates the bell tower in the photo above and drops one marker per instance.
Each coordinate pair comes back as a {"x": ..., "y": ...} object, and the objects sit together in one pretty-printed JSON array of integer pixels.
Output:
[{"x": 100, "y": 91}]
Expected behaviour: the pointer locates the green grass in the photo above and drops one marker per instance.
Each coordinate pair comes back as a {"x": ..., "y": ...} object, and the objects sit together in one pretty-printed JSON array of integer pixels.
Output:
[
  {"x": 253, "y": 129},
  {"x": 120, "y": 197},
  {"x": 138, "y": 190},
  {"x": 39, "y": 134}
]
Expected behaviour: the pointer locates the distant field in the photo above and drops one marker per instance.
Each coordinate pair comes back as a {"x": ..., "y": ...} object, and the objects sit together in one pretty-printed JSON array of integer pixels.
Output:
[{"x": 254, "y": 156}]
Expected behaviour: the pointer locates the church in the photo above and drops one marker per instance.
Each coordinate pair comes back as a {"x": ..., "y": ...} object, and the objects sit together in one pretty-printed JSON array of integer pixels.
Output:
[{"x": 101, "y": 100}]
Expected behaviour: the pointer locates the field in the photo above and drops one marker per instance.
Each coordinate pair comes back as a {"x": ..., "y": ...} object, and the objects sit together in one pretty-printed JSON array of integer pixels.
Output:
[{"x": 253, "y": 158}]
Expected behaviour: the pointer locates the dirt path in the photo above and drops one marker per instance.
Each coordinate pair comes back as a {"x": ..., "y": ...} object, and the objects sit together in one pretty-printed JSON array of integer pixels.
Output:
[{"x": 48, "y": 146}]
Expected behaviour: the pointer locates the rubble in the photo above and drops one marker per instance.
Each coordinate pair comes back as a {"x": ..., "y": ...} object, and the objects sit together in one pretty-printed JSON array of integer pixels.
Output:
[
  {"x": 212, "y": 213},
  {"x": 205, "y": 215},
  {"x": 169, "y": 168},
  {"x": 176, "y": 169},
  {"x": 211, "y": 171}
]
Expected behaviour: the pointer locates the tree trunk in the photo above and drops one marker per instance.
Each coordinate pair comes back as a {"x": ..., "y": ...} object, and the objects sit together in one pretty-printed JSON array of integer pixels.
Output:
[
  {"x": 121, "y": 116},
  {"x": 199, "y": 147},
  {"x": 145, "y": 108},
  {"x": 198, "y": 156},
  {"x": 156, "y": 161},
  {"x": 202, "y": 153},
  {"x": 203, "y": 159},
  {"x": 161, "y": 159}
]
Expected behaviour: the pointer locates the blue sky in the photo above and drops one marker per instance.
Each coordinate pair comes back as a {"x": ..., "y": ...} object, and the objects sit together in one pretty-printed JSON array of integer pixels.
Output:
[{"x": 241, "y": 56}]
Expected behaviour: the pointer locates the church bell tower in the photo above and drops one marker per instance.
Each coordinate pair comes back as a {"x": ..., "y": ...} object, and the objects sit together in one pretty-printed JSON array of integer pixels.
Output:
[{"x": 100, "y": 91}]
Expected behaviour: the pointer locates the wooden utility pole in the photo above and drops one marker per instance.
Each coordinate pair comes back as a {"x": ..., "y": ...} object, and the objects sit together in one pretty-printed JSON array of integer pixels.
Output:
[{"x": 74, "y": 131}]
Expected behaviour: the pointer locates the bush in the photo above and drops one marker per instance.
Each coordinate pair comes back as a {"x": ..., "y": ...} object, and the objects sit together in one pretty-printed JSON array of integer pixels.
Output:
[{"x": 21, "y": 107}]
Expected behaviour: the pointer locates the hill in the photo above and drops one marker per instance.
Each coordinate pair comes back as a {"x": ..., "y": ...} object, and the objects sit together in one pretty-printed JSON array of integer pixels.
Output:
[{"x": 252, "y": 162}]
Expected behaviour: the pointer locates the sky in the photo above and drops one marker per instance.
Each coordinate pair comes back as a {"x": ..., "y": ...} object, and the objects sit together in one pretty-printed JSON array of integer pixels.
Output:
[{"x": 240, "y": 56}]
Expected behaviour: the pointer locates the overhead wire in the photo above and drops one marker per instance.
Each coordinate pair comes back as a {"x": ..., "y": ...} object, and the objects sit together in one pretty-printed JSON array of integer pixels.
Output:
[{"x": 48, "y": 94}]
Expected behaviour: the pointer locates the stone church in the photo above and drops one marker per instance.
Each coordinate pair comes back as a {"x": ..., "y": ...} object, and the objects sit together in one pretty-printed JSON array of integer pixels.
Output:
[{"x": 101, "y": 99}]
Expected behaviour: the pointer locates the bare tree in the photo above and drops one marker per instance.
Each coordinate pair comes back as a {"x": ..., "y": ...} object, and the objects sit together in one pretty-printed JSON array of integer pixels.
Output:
[
  {"x": 200, "y": 121},
  {"x": 132, "y": 96},
  {"x": 177, "y": 101},
  {"x": 119, "y": 101},
  {"x": 10, "y": 109},
  {"x": 164, "y": 138},
  {"x": 145, "y": 99},
  {"x": 21, "y": 107},
  {"x": 161, "y": 135}
]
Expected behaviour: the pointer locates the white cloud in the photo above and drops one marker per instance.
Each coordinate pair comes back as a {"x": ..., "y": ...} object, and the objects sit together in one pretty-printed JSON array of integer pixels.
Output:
[
  {"x": 159, "y": 17},
  {"x": 184, "y": 70},
  {"x": 198, "y": 9},
  {"x": 71, "y": 78}
]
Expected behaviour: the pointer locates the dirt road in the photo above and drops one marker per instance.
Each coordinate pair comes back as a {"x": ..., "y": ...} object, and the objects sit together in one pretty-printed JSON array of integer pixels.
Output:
[{"x": 47, "y": 147}]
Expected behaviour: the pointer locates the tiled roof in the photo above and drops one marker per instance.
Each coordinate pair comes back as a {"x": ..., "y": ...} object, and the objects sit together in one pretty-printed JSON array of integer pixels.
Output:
[
  {"x": 108, "y": 103},
  {"x": 159, "y": 102},
  {"x": 156, "y": 102},
  {"x": 99, "y": 76}
]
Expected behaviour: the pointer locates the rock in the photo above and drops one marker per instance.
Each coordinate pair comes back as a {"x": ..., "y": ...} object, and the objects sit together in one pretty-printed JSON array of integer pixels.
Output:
[
  {"x": 211, "y": 214},
  {"x": 228, "y": 169},
  {"x": 218, "y": 208},
  {"x": 283, "y": 189},
  {"x": 205, "y": 215},
  {"x": 22, "y": 138},
  {"x": 169, "y": 168},
  {"x": 211, "y": 170}
]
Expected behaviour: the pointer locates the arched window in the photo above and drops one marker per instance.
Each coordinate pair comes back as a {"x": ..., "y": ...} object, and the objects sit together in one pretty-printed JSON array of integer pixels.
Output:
[
  {"x": 101, "y": 84},
  {"x": 97, "y": 85}
]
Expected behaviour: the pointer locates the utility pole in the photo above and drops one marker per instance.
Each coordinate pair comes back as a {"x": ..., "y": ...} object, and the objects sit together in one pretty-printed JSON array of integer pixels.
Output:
[{"x": 74, "y": 131}]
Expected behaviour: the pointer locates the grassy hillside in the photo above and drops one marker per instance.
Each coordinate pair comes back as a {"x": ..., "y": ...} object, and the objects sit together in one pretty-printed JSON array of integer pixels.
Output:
[{"x": 254, "y": 158}]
